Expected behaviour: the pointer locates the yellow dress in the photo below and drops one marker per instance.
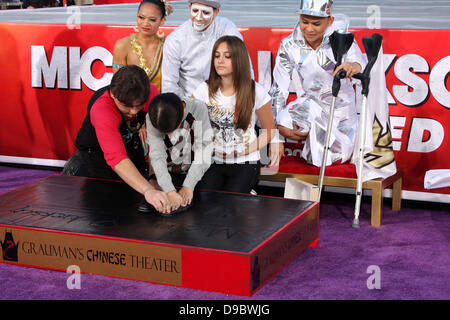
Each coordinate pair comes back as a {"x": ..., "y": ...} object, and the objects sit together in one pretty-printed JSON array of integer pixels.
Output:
[{"x": 153, "y": 71}]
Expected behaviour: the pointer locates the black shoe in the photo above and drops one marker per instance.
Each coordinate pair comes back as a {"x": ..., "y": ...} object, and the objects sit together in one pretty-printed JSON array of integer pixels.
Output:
[{"x": 146, "y": 207}]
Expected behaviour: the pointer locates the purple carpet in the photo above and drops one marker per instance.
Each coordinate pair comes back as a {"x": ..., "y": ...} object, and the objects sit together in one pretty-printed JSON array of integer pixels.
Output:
[{"x": 410, "y": 251}]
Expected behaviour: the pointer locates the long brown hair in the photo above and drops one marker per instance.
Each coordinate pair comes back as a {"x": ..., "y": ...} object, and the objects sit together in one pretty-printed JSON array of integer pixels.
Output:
[{"x": 242, "y": 80}]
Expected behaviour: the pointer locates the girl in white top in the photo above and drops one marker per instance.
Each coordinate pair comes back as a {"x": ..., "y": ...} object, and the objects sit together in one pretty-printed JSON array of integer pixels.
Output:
[{"x": 235, "y": 102}]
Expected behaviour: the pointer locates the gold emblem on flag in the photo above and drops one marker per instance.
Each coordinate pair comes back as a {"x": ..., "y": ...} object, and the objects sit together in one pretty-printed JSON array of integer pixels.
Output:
[{"x": 382, "y": 153}]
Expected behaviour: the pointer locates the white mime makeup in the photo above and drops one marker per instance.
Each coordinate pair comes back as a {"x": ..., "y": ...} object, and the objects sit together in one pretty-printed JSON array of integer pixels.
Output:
[{"x": 201, "y": 16}]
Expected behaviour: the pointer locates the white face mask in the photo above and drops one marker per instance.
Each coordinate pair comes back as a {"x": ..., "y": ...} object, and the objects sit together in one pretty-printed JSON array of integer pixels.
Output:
[{"x": 201, "y": 16}]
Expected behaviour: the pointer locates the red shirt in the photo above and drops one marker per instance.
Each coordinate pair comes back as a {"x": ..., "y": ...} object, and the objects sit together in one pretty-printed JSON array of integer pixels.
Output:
[{"x": 106, "y": 118}]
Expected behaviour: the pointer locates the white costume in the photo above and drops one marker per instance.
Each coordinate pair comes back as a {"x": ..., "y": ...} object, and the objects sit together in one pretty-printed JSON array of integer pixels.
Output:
[
  {"x": 311, "y": 71},
  {"x": 187, "y": 55}
]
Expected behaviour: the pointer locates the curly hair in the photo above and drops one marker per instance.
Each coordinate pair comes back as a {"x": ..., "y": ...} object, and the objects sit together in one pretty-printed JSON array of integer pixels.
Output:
[{"x": 130, "y": 84}]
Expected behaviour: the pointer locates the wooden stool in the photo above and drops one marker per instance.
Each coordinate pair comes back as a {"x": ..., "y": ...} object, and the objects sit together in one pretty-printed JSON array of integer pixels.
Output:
[{"x": 343, "y": 175}]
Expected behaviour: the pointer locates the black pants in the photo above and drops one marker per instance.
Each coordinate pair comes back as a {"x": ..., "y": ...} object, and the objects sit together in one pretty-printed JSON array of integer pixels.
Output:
[
  {"x": 91, "y": 164},
  {"x": 177, "y": 179},
  {"x": 240, "y": 178}
]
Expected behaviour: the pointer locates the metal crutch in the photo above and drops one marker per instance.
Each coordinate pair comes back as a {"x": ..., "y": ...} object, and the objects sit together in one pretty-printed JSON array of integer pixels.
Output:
[
  {"x": 372, "y": 46},
  {"x": 340, "y": 44}
]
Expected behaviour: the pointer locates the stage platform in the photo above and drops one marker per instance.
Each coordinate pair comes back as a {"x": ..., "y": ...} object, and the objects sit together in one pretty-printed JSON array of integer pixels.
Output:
[
  {"x": 226, "y": 242},
  {"x": 412, "y": 14}
]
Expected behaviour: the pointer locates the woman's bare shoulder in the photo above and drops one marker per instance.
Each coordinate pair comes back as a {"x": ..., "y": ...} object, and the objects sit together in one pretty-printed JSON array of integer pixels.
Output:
[{"x": 122, "y": 44}]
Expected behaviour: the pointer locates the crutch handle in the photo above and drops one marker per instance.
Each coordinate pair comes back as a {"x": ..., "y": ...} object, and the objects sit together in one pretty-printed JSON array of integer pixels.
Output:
[
  {"x": 359, "y": 76},
  {"x": 365, "y": 80},
  {"x": 372, "y": 46},
  {"x": 337, "y": 82},
  {"x": 341, "y": 74}
]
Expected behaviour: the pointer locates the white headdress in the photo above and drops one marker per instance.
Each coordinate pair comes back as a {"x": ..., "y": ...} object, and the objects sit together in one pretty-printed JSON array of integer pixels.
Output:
[{"x": 318, "y": 8}]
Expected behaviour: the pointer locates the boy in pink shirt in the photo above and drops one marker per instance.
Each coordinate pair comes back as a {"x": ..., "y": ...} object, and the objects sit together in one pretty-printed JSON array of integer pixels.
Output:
[{"x": 109, "y": 144}]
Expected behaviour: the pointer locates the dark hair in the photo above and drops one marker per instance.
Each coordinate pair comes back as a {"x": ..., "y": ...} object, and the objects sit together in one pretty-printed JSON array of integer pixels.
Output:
[
  {"x": 130, "y": 84},
  {"x": 242, "y": 79},
  {"x": 158, "y": 3},
  {"x": 37, "y": 4},
  {"x": 166, "y": 112}
]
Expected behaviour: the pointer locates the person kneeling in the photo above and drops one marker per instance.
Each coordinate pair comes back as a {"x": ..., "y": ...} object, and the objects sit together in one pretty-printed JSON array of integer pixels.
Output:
[
  {"x": 307, "y": 58},
  {"x": 235, "y": 102},
  {"x": 180, "y": 136},
  {"x": 108, "y": 143}
]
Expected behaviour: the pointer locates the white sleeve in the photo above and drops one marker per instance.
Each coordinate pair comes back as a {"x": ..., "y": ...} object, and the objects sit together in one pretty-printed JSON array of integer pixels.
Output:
[
  {"x": 201, "y": 93},
  {"x": 261, "y": 96},
  {"x": 284, "y": 118},
  {"x": 170, "y": 68},
  {"x": 282, "y": 74},
  {"x": 158, "y": 157},
  {"x": 203, "y": 145},
  {"x": 354, "y": 54},
  {"x": 230, "y": 28}
]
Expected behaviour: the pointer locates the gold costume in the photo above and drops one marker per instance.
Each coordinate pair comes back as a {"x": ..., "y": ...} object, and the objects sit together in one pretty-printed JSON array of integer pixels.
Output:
[{"x": 153, "y": 71}]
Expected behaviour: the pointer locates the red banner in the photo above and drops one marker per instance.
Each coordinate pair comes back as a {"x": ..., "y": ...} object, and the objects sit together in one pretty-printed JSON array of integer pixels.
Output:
[
  {"x": 49, "y": 72},
  {"x": 97, "y": 2}
]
